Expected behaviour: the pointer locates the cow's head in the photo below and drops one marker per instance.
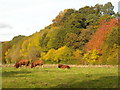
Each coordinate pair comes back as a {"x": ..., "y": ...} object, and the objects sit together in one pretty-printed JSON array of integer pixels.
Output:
[
  {"x": 17, "y": 65},
  {"x": 59, "y": 66}
]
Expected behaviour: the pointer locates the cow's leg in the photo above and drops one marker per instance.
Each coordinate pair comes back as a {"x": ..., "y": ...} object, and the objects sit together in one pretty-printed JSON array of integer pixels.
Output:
[
  {"x": 32, "y": 65},
  {"x": 42, "y": 66},
  {"x": 27, "y": 64},
  {"x": 19, "y": 65}
]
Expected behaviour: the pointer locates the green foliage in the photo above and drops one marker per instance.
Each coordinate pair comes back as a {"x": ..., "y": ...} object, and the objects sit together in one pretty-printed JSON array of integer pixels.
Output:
[
  {"x": 56, "y": 36},
  {"x": 76, "y": 20},
  {"x": 78, "y": 41},
  {"x": 108, "y": 9},
  {"x": 110, "y": 55},
  {"x": 59, "y": 20},
  {"x": 113, "y": 37},
  {"x": 117, "y": 15},
  {"x": 98, "y": 8},
  {"x": 91, "y": 19},
  {"x": 113, "y": 56},
  {"x": 87, "y": 10},
  {"x": 105, "y": 17},
  {"x": 17, "y": 38},
  {"x": 70, "y": 39}
]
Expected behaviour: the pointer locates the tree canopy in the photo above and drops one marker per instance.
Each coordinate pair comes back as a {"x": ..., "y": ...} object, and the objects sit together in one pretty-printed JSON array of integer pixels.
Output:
[{"x": 83, "y": 36}]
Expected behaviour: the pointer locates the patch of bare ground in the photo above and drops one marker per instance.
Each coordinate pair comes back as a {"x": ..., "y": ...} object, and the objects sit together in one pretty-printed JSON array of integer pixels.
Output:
[{"x": 56, "y": 65}]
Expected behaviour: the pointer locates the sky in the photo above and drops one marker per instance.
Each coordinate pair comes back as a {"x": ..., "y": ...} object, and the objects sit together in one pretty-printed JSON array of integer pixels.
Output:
[{"x": 25, "y": 17}]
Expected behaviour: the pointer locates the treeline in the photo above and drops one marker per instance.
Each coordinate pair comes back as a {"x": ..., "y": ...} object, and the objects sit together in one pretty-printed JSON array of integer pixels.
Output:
[{"x": 84, "y": 36}]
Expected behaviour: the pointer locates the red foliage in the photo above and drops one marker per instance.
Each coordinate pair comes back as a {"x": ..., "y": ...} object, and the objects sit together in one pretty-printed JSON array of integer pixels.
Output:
[{"x": 100, "y": 36}]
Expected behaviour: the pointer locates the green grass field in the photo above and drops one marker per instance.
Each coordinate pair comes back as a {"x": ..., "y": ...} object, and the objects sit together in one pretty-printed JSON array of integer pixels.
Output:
[{"x": 60, "y": 78}]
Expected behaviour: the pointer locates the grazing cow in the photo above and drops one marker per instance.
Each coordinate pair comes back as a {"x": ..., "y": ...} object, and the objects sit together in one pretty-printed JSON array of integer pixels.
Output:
[
  {"x": 22, "y": 62},
  {"x": 63, "y": 66},
  {"x": 36, "y": 63}
]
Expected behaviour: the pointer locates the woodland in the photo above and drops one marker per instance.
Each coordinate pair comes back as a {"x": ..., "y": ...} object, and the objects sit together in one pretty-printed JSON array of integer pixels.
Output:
[{"x": 88, "y": 36}]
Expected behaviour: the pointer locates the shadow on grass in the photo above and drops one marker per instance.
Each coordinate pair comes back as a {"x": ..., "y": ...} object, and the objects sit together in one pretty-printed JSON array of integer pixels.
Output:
[
  {"x": 14, "y": 73},
  {"x": 103, "y": 82}
]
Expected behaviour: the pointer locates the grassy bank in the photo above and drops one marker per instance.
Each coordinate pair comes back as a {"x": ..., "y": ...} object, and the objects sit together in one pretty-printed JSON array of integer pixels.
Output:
[{"x": 89, "y": 77}]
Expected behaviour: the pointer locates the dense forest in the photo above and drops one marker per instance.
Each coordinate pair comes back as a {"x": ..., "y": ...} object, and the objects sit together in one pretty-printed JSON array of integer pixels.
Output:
[{"x": 85, "y": 36}]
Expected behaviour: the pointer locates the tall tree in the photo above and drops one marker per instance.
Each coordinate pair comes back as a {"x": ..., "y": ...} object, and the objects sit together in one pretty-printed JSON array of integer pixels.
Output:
[
  {"x": 98, "y": 8},
  {"x": 108, "y": 9}
]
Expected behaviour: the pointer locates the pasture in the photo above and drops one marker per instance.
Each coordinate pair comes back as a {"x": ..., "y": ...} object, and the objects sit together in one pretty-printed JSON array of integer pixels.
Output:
[{"x": 76, "y": 77}]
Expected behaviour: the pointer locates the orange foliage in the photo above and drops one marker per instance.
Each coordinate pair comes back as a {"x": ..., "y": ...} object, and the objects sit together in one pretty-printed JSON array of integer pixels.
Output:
[{"x": 100, "y": 36}]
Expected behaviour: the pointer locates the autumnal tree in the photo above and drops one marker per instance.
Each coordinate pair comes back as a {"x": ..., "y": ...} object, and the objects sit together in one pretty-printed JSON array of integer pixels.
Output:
[
  {"x": 5, "y": 47},
  {"x": 50, "y": 55},
  {"x": 63, "y": 54},
  {"x": 72, "y": 35},
  {"x": 34, "y": 54},
  {"x": 100, "y": 36},
  {"x": 91, "y": 57},
  {"x": 78, "y": 56},
  {"x": 10, "y": 49}
]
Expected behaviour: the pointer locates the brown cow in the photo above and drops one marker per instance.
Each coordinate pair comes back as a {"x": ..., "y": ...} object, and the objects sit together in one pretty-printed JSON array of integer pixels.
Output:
[
  {"x": 36, "y": 63},
  {"x": 22, "y": 62},
  {"x": 63, "y": 66}
]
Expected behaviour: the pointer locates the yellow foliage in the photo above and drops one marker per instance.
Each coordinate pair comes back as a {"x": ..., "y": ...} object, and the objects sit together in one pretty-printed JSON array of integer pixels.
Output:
[
  {"x": 77, "y": 55},
  {"x": 63, "y": 53},
  {"x": 91, "y": 57},
  {"x": 49, "y": 55}
]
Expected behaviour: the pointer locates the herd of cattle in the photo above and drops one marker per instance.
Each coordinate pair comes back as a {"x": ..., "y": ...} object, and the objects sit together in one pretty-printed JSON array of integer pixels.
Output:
[{"x": 36, "y": 63}]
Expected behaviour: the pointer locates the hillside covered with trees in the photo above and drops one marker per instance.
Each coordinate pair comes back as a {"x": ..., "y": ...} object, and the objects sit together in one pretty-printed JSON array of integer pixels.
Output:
[{"x": 85, "y": 36}]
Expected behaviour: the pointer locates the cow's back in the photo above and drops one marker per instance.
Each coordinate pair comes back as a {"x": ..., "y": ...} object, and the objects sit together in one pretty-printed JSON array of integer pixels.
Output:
[{"x": 37, "y": 62}]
